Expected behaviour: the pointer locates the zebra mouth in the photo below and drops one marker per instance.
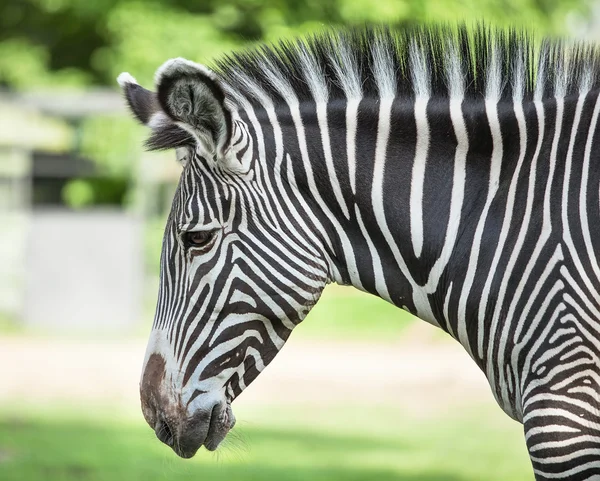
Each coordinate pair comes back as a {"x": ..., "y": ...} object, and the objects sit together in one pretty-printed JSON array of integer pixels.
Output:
[
  {"x": 222, "y": 421},
  {"x": 205, "y": 428}
]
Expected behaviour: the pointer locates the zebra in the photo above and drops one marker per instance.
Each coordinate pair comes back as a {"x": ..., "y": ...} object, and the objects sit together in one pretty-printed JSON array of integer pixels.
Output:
[{"x": 451, "y": 171}]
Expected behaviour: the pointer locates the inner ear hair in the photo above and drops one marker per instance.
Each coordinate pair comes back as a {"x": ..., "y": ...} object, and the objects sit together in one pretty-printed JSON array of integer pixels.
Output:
[
  {"x": 191, "y": 96},
  {"x": 170, "y": 136}
]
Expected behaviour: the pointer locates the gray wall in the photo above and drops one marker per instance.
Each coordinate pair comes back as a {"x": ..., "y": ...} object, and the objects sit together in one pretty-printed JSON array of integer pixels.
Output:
[{"x": 84, "y": 270}]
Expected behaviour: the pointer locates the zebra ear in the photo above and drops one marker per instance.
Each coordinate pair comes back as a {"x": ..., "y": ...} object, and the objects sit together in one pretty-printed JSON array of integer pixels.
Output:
[
  {"x": 192, "y": 97},
  {"x": 146, "y": 108},
  {"x": 143, "y": 103}
]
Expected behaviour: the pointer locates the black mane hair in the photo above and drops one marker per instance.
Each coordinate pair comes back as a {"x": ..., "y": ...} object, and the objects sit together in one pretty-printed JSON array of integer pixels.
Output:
[{"x": 510, "y": 63}]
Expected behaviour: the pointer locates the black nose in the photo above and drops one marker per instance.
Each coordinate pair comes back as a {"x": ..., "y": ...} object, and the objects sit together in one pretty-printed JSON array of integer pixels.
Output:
[{"x": 164, "y": 432}]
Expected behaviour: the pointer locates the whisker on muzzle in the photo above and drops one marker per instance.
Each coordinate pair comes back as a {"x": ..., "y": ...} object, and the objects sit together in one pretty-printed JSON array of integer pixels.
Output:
[{"x": 235, "y": 445}]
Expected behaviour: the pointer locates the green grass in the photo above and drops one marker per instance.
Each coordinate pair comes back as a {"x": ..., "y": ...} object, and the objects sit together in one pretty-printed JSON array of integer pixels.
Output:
[
  {"x": 347, "y": 313},
  {"x": 284, "y": 444}
]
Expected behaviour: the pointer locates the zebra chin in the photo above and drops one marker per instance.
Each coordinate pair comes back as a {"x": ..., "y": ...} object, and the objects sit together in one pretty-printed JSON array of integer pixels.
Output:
[{"x": 185, "y": 427}]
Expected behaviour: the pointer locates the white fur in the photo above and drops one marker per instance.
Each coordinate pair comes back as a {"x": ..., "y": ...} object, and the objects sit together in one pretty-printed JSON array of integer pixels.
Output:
[
  {"x": 519, "y": 75},
  {"x": 159, "y": 120},
  {"x": 454, "y": 73},
  {"x": 181, "y": 65},
  {"x": 586, "y": 80},
  {"x": 419, "y": 70},
  {"x": 383, "y": 69},
  {"x": 562, "y": 79},
  {"x": 346, "y": 70},
  {"x": 276, "y": 80},
  {"x": 314, "y": 77},
  {"x": 493, "y": 84},
  {"x": 125, "y": 78},
  {"x": 538, "y": 94}
]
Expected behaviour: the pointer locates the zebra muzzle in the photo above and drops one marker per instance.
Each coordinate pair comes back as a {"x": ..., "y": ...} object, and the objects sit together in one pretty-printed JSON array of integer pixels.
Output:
[
  {"x": 185, "y": 428},
  {"x": 186, "y": 434}
]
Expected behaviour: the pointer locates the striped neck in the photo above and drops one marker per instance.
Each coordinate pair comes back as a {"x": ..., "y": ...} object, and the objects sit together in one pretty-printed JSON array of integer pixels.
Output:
[{"x": 414, "y": 196}]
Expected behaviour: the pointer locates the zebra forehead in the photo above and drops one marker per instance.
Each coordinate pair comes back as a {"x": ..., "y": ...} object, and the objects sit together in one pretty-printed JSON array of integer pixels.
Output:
[
  {"x": 200, "y": 193},
  {"x": 419, "y": 61}
]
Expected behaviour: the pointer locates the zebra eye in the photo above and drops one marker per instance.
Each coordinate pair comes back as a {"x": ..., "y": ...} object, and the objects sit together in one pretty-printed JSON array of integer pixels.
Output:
[{"x": 198, "y": 239}]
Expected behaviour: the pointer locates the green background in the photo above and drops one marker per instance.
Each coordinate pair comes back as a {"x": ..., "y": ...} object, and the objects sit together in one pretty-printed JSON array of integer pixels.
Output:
[{"x": 68, "y": 45}]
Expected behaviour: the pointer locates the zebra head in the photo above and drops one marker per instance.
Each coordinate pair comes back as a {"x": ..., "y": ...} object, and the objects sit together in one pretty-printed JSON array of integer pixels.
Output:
[{"x": 237, "y": 271}]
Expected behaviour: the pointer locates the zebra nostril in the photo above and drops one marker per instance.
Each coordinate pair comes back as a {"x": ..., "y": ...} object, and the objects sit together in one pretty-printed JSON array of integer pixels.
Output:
[{"x": 164, "y": 432}]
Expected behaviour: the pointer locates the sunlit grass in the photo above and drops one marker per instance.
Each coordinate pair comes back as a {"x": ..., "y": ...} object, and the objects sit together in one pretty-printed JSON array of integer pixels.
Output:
[{"x": 291, "y": 443}]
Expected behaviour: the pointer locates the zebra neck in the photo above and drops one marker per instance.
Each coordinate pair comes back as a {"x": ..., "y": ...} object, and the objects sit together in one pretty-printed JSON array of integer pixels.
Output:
[
  {"x": 435, "y": 205},
  {"x": 388, "y": 181}
]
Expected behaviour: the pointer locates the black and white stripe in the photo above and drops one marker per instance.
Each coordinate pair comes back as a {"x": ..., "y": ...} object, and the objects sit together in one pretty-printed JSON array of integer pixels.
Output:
[{"x": 454, "y": 173}]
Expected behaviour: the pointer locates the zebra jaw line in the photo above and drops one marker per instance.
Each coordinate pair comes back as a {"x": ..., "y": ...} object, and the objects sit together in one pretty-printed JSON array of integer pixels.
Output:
[{"x": 453, "y": 173}]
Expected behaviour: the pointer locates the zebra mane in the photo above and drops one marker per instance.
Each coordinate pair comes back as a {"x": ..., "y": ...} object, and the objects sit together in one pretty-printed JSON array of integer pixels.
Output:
[{"x": 420, "y": 61}]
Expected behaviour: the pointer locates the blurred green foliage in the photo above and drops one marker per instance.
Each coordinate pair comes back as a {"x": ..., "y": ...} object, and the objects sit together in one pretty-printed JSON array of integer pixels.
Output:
[
  {"x": 83, "y": 42},
  {"x": 50, "y": 44},
  {"x": 83, "y": 192},
  {"x": 78, "y": 193}
]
